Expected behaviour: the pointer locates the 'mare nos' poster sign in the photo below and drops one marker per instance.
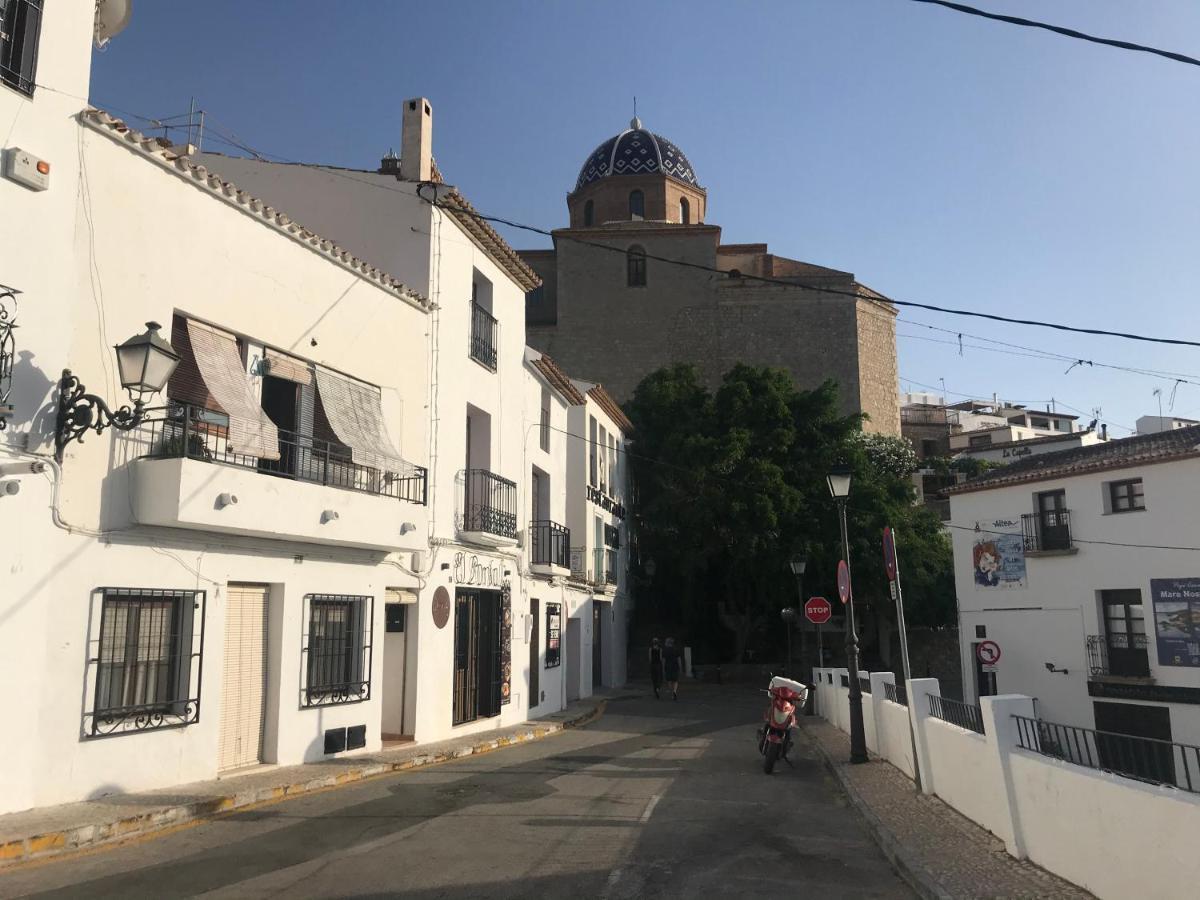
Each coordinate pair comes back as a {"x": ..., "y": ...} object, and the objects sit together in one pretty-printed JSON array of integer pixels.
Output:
[
  {"x": 998, "y": 555},
  {"x": 1177, "y": 620}
]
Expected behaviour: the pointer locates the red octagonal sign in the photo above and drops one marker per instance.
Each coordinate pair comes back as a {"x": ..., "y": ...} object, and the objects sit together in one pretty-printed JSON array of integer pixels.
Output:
[{"x": 817, "y": 610}]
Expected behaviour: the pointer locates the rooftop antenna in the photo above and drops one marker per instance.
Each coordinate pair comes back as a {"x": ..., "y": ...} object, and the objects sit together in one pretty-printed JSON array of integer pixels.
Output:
[{"x": 1158, "y": 394}]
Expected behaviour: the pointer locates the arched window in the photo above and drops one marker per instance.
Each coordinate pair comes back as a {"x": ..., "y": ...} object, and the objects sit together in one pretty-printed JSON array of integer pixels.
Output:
[
  {"x": 637, "y": 205},
  {"x": 589, "y": 212},
  {"x": 685, "y": 211},
  {"x": 635, "y": 266}
]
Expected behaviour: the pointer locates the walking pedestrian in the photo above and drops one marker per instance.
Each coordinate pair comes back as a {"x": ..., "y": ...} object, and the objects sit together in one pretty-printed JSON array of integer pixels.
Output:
[
  {"x": 671, "y": 666},
  {"x": 656, "y": 666}
]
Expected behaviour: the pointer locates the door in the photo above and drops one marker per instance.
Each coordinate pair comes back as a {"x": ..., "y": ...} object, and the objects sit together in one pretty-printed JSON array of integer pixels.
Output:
[
  {"x": 281, "y": 403},
  {"x": 244, "y": 682},
  {"x": 1125, "y": 633},
  {"x": 1136, "y": 758},
  {"x": 1053, "y": 522},
  {"x": 396, "y": 662},
  {"x": 477, "y": 673},
  {"x": 574, "y": 655},
  {"x": 535, "y": 655},
  {"x": 597, "y": 644}
]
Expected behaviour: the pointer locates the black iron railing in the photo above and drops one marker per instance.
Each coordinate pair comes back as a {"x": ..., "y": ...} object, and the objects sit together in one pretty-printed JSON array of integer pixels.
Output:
[
  {"x": 489, "y": 503},
  {"x": 337, "y": 651},
  {"x": 549, "y": 544},
  {"x": 20, "y": 26},
  {"x": 964, "y": 715},
  {"x": 483, "y": 336},
  {"x": 1124, "y": 655},
  {"x": 1049, "y": 530},
  {"x": 180, "y": 430},
  {"x": 864, "y": 684},
  {"x": 610, "y": 566},
  {"x": 845, "y": 679},
  {"x": 1141, "y": 758},
  {"x": 897, "y": 693}
]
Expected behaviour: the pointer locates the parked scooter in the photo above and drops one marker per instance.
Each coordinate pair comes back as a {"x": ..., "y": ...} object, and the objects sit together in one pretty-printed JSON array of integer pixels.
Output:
[{"x": 775, "y": 735}]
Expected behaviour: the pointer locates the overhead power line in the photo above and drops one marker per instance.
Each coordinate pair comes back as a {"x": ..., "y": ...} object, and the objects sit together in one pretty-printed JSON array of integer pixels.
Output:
[{"x": 1066, "y": 32}]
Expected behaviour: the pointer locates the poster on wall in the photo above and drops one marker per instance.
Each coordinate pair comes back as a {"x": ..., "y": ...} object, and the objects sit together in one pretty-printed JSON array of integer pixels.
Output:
[
  {"x": 998, "y": 555},
  {"x": 1177, "y": 620},
  {"x": 553, "y": 634},
  {"x": 505, "y": 643}
]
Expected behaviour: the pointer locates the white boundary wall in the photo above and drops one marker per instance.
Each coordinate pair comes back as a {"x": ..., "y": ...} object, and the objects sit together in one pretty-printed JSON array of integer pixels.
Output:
[{"x": 1114, "y": 836}]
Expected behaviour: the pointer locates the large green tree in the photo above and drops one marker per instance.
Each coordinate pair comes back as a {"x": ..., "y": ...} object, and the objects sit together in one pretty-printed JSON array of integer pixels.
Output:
[{"x": 731, "y": 483}]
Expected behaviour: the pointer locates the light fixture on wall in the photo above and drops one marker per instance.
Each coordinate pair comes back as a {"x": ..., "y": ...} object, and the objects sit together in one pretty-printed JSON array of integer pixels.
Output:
[
  {"x": 226, "y": 499},
  {"x": 144, "y": 363},
  {"x": 1050, "y": 668},
  {"x": 406, "y": 527},
  {"x": 329, "y": 515}
]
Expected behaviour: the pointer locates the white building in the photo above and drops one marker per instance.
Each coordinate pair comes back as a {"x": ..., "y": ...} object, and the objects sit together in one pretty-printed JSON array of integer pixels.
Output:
[
  {"x": 1076, "y": 565},
  {"x": 995, "y": 450},
  {"x": 205, "y": 591},
  {"x": 1155, "y": 424},
  {"x": 320, "y": 539}
]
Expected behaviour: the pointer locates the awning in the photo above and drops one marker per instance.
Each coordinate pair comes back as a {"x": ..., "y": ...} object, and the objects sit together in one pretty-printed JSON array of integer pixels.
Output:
[
  {"x": 355, "y": 413},
  {"x": 399, "y": 595},
  {"x": 290, "y": 368},
  {"x": 251, "y": 432}
]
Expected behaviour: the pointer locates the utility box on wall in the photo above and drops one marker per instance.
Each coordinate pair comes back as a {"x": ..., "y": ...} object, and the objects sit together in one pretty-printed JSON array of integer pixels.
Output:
[{"x": 24, "y": 168}]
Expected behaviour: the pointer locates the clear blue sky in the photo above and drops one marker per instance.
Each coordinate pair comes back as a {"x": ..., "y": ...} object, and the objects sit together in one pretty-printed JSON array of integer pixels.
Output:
[{"x": 937, "y": 156}]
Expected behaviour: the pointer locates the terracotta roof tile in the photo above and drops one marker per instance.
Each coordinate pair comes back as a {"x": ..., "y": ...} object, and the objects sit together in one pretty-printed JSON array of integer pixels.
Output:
[
  {"x": 460, "y": 208},
  {"x": 558, "y": 379},
  {"x": 605, "y": 401}
]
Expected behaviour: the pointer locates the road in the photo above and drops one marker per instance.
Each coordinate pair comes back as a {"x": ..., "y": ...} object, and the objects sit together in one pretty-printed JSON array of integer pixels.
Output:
[{"x": 655, "y": 799}]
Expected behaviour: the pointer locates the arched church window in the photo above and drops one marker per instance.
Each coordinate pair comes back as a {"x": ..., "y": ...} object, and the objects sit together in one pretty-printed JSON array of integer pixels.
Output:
[
  {"x": 635, "y": 266},
  {"x": 589, "y": 213},
  {"x": 685, "y": 211},
  {"x": 637, "y": 205}
]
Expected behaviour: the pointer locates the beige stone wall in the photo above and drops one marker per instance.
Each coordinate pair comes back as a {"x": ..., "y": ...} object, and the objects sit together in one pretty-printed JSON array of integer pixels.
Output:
[
  {"x": 878, "y": 379},
  {"x": 610, "y": 199}
]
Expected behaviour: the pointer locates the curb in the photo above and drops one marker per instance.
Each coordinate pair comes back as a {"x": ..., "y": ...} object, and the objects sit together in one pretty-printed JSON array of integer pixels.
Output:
[
  {"x": 52, "y": 844},
  {"x": 907, "y": 866}
]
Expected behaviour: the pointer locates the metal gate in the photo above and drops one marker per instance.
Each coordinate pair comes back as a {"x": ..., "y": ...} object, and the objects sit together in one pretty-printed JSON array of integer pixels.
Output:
[
  {"x": 243, "y": 693},
  {"x": 477, "y": 673}
]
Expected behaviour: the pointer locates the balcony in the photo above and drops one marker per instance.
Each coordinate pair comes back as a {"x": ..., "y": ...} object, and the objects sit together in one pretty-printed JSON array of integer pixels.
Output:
[
  {"x": 187, "y": 475},
  {"x": 488, "y": 508},
  {"x": 483, "y": 336},
  {"x": 1048, "y": 533},
  {"x": 549, "y": 548},
  {"x": 1119, "y": 656}
]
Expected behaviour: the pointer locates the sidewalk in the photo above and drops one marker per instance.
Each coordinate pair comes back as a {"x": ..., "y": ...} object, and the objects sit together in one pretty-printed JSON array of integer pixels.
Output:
[
  {"x": 53, "y": 830},
  {"x": 940, "y": 853}
]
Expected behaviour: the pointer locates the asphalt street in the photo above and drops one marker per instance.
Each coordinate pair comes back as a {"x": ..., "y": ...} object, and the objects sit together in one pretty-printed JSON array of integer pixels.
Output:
[{"x": 655, "y": 799}]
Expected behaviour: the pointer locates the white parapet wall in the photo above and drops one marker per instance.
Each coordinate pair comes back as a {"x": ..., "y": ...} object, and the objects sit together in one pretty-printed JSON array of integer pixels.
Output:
[{"x": 1115, "y": 836}]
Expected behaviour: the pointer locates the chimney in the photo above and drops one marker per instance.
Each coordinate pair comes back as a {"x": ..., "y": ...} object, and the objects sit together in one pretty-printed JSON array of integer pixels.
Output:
[
  {"x": 416, "y": 141},
  {"x": 1104, "y": 432}
]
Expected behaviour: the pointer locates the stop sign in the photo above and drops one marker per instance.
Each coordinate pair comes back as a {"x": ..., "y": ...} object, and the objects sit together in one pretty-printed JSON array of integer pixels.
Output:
[{"x": 817, "y": 610}]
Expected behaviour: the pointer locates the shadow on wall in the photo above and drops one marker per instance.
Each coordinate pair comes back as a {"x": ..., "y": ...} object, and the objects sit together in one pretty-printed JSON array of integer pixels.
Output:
[
  {"x": 934, "y": 653},
  {"x": 36, "y": 399}
]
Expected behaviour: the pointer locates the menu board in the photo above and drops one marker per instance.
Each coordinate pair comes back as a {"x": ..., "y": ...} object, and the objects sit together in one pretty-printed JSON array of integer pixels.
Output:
[
  {"x": 505, "y": 643},
  {"x": 553, "y": 634},
  {"x": 1177, "y": 620}
]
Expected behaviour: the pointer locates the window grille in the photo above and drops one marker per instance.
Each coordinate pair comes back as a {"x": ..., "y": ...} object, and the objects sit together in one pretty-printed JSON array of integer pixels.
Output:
[
  {"x": 145, "y": 660},
  {"x": 20, "y": 30},
  {"x": 338, "y": 649}
]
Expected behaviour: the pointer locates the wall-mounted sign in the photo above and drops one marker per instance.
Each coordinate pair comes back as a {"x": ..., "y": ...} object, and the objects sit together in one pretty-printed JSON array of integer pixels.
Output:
[
  {"x": 605, "y": 502},
  {"x": 471, "y": 570},
  {"x": 998, "y": 555},
  {"x": 441, "y": 607},
  {"x": 505, "y": 643},
  {"x": 553, "y": 634},
  {"x": 1015, "y": 452},
  {"x": 1177, "y": 620}
]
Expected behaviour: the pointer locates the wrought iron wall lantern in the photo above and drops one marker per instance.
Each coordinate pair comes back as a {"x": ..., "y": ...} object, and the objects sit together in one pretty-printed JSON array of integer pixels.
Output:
[
  {"x": 144, "y": 362},
  {"x": 8, "y": 351}
]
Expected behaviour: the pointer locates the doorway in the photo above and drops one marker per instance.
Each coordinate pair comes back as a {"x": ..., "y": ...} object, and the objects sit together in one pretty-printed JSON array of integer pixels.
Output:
[
  {"x": 1125, "y": 633},
  {"x": 395, "y": 719},
  {"x": 574, "y": 656},
  {"x": 1053, "y": 521},
  {"x": 598, "y": 643},
  {"x": 477, "y": 674},
  {"x": 535, "y": 655},
  {"x": 243, "y": 694},
  {"x": 281, "y": 403}
]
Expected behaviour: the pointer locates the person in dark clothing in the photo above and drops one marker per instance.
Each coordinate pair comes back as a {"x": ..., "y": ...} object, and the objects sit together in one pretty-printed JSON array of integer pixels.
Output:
[
  {"x": 656, "y": 666},
  {"x": 671, "y": 666}
]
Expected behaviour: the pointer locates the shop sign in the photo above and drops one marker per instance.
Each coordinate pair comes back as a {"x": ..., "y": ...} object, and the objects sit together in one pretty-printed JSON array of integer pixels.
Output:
[
  {"x": 1177, "y": 620},
  {"x": 553, "y": 634},
  {"x": 605, "y": 502},
  {"x": 471, "y": 570}
]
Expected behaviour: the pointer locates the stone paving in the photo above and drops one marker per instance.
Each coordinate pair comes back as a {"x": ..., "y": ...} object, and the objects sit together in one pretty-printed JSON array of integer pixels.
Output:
[{"x": 940, "y": 852}]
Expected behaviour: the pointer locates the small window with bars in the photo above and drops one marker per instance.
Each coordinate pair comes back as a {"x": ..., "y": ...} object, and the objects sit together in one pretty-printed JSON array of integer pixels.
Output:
[
  {"x": 145, "y": 661},
  {"x": 20, "y": 30},
  {"x": 1126, "y": 496},
  {"x": 544, "y": 422},
  {"x": 338, "y": 649}
]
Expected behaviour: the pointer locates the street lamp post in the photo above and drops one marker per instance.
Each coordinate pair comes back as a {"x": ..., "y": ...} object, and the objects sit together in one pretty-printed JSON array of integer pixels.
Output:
[
  {"x": 797, "y": 564},
  {"x": 839, "y": 488}
]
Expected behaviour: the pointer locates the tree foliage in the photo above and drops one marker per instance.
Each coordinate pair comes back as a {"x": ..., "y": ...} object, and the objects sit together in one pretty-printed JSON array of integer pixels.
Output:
[{"x": 730, "y": 484}]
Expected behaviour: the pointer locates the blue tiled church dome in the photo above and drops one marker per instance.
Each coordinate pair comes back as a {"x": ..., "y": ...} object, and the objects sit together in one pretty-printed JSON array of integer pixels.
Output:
[{"x": 636, "y": 151}]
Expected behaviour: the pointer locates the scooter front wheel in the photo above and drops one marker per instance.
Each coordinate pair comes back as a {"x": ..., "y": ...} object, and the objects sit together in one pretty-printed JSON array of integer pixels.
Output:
[{"x": 772, "y": 755}]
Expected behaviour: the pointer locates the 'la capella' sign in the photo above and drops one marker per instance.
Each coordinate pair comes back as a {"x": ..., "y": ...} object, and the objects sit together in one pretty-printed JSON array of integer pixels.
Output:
[
  {"x": 472, "y": 570},
  {"x": 605, "y": 502}
]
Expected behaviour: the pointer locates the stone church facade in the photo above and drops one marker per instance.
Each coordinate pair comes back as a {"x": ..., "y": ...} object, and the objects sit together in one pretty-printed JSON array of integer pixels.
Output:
[{"x": 610, "y": 312}]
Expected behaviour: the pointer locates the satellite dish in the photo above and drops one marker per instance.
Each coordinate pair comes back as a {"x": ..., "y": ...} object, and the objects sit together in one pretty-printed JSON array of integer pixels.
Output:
[{"x": 112, "y": 16}]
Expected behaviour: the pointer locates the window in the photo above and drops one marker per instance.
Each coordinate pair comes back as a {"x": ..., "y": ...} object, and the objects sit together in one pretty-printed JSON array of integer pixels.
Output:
[
  {"x": 20, "y": 27},
  {"x": 553, "y": 635},
  {"x": 612, "y": 536},
  {"x": 980, "y": 440},
  {"x": 635, "y": 267},
  {"x": 592, "y": 479},
  {"x": 1039, "y": 423},
  {"x": 1126, "y": 496},
  {"x": 338, "y": 650},
  {"x": 544, "y": 423},
  {"x": 603, "y": 460},
  {"x": 612, "y": 465},
  {"x": 637, "y": 205},
  {"x": 147, "y": 660},
  {"x": 589, "y": 213},
  {"x": 685, "y": 212}
]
